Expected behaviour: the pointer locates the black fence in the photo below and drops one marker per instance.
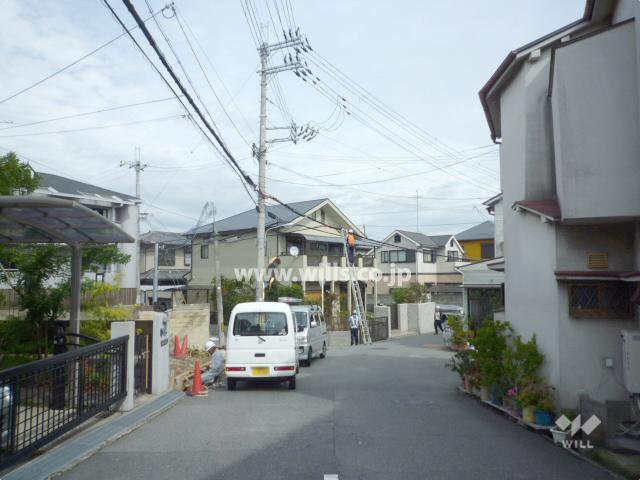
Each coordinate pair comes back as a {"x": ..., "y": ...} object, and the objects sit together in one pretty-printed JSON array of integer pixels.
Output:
[
  {"x": 379, "y": 329},
  {"x": 41, "y": 400}
]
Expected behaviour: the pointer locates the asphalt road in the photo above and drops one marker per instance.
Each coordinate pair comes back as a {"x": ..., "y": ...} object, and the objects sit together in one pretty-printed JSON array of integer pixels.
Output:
[{"x": 384, "y": 411}]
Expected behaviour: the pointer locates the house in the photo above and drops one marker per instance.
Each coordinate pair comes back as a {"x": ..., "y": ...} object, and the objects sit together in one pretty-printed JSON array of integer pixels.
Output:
[
  {"x": 477, "y": 241},
  {"x": 122, "y": 209},
  {"x": 483, "y": 280},
  {"x": 174, "y": 264},
  {"x": 429, "y": 260},
  {"x": 565, "y": 110},
  {"x": 309, "y": 252}
]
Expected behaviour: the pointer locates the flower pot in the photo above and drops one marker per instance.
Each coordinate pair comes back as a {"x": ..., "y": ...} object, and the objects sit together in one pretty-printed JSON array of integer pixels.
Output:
[
  {"x": 466, "y": 384},
  {"x": 544, "y": 418},
  {"x": 529, "y": 414},
  {"x": 559, "y": 436},
  {"x": 475, "y": 391},
  {"x": 485, "y": 394}
]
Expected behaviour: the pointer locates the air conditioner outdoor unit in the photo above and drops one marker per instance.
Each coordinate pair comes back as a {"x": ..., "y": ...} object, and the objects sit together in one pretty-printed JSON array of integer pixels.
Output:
[{"x": 631, "y": 360}]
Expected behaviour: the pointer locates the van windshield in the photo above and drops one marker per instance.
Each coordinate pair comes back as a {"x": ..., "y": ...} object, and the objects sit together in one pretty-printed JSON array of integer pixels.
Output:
[
  {"x": 302, "y": 319},
  {"x": 260, "y": 324}
]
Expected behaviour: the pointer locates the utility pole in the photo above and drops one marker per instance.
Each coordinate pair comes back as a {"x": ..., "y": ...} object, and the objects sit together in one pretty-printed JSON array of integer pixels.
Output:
[
  {"x": 265, "y": 51},
  {"x": 155, "y": 272},
  {"x": 218, "y": 276},
  {"x": 139, "y": 167}
]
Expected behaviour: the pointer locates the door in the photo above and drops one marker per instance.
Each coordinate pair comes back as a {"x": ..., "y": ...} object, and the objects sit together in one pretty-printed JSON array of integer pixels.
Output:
[{"x": 315, "y": 334}]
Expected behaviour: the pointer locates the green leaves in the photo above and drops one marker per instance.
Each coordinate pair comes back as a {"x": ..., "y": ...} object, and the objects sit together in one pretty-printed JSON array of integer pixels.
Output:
[{"x": 16, "y": 178}]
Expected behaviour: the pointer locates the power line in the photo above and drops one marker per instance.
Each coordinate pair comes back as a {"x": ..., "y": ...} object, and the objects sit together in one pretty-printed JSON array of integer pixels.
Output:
[
  {"x": 76, "y": 115},
  {"x": 228, "y": 158},
  {"x": 97, "y": 127},
  {"x": 75, "y": 62}
]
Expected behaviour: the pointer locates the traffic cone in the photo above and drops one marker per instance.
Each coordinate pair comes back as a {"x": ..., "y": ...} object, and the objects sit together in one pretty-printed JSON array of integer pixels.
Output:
[
  {"x": 197, "y": 389},
  {"x": 185, "y": 345},
  {"x": 177, "y": 351}
]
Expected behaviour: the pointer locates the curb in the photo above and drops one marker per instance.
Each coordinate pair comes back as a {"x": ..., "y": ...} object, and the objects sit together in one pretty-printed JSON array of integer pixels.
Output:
[{"x": 76, "y": 450}]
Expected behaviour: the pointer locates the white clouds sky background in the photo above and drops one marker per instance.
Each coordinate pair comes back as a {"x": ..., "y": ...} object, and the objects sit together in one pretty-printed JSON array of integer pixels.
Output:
[{"x": 425, "y": 59}]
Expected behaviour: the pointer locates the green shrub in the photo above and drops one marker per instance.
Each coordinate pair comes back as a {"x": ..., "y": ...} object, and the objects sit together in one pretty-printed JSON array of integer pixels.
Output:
[{"x": 490, "y": 348}]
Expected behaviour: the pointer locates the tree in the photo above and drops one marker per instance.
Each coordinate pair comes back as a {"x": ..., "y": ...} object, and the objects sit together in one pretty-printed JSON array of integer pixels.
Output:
[
  {"x": 16, "y": 177},
  {"x": 278, "y": 290},
  {"x": 233, "y": 293},
  {"x": 413, "y": 294},
  {"x": 43, "y": 281}
]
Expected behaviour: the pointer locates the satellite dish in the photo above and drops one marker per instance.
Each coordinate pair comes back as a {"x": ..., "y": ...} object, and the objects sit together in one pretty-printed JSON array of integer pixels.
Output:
[{"x": 294, "y": 251}]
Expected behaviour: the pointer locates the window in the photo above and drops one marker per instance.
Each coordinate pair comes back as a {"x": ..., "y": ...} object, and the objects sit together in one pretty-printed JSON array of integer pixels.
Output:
[
  {"x": 428, "y": 256},
  {"x": 396, "y": 238},
  {"x": 323, "y": 247},
  {"x": 204, "y": 251},
  {"x": 451, "y": 242},
  {"x": 302, "y": 320},
  {"x": 452, "y": 256},
  {"x": 398, "y": 256},
  {"x": 187, "y": 256},
  {"x": 487, "y": 250},
  {"x": 260, "y": 324},
  {"x": 166, "y": 257},
  {"x": 600, "y": 300}
]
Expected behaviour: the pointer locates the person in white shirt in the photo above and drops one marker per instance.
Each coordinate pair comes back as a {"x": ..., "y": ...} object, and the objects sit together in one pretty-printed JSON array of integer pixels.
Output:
[
  {"x": 354, "y": 323},
  {"x": 217, "y": 364}
]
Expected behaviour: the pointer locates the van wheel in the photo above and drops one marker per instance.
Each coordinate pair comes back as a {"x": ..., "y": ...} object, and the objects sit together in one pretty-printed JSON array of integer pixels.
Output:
[
  {"x": 292, "y": 383},
  {"x": 309, "y": 357},
  {"x": 231, "y": 383},
  {"x": 324, "y": 350}
]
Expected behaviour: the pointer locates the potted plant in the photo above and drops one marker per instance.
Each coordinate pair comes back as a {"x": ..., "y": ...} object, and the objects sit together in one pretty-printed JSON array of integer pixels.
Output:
[
  {"x": 509, "y": 401},
  {"x": 490, "y": 345},
  {"x": 544, "y": 410},
  {"x": 527, "y": 399},
  {"x": 462, "y": 364},
  {"x": 561, "y": 436}
]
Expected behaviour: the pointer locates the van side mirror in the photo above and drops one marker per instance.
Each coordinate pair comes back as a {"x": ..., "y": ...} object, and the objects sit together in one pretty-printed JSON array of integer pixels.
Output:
[{"x": 314, "y": 324}]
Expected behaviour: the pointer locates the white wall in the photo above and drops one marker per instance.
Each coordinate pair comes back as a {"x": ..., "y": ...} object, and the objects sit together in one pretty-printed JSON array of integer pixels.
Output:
[{"x": 595, "y": 121}]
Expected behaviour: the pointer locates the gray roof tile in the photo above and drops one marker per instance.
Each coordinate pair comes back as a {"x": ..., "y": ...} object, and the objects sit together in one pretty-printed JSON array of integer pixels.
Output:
[
  {"x": 482, "y": 231},
  {"x": 74, "y": 187}
]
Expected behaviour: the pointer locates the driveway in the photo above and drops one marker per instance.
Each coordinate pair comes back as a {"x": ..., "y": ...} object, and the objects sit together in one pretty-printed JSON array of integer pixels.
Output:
[{"x": 384, "y": 411}]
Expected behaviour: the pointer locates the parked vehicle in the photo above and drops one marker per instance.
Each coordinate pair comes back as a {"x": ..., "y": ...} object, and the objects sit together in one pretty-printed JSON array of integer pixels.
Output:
[
  {"x": 312, "y": 334},
  {"x": 261, "y": 344}
]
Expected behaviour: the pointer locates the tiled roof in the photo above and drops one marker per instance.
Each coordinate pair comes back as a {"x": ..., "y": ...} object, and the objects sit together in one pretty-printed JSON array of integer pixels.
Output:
[
  {"x": 74, "y": 187},
  {"x": 164, "y": 238},
  {"x": 248, "y": 220},
  {"x": 482, "y": 231}
]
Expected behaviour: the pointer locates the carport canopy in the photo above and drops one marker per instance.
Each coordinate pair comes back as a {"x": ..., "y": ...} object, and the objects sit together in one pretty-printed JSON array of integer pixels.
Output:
[{"x": 39, "y": 219}]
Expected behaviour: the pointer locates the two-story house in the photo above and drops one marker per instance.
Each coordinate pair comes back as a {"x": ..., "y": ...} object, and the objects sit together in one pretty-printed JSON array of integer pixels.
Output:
[
  {"x": 565, "y": 110},
  {"x": 477, "y": 241},
  {"x": 308, "y": 250},
  {"x": 122, "y": 209},
  {"x": 410, "y": 257},
  {"x": 173, "y": 260}
]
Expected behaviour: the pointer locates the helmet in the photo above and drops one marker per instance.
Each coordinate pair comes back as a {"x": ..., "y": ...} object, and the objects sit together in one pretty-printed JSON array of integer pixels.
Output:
[
  {"x": 210, "y": 344},
  {"x": 351, "y": 230}
]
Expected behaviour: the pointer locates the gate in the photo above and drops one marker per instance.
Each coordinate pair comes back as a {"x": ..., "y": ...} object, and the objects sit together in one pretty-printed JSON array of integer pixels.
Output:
[
  {"x": 41, "y": 400},
  {"x": 379, "y": 329},
  {"x": 394, "y": 316}
]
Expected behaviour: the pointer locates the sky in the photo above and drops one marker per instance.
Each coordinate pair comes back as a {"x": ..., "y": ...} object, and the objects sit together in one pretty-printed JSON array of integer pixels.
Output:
[{"x": 402, "y": 139}]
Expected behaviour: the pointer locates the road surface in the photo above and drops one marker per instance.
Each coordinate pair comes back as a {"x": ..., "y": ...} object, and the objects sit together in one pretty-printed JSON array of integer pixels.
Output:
[{"x": 384, "y": 411}]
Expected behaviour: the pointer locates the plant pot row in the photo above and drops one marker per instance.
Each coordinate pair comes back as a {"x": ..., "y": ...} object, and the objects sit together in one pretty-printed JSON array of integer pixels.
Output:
[{"x": 529, "y": 413}]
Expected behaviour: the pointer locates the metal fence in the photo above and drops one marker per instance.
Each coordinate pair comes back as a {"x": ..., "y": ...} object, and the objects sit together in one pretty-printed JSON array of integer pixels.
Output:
[
  {"x": 41, "y": 400},
  {"x": 379, "y": 329}
]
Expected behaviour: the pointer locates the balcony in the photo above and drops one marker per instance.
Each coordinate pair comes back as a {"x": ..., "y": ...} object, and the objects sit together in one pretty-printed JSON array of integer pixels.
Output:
[{"x": 326, "y": 267}]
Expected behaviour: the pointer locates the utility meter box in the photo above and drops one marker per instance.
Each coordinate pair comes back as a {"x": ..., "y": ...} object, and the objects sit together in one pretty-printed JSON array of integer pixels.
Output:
[{"x": 631, "y": 360}]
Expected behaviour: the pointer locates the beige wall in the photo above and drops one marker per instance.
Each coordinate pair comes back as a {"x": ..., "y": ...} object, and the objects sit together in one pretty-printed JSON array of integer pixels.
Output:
[
  {"x": 147, "y": 260},
  {"x": 191, "y": 320}
]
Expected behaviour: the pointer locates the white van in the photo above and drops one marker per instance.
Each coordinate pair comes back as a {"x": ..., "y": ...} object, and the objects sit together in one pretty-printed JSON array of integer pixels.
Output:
[
  {"x": 312, "y": 332},
  {"x": 261, "y": 344}
]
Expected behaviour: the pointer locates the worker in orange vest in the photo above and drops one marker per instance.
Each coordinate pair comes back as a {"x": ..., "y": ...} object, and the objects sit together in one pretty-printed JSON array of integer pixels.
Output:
[{"x": 351, "y": 243}]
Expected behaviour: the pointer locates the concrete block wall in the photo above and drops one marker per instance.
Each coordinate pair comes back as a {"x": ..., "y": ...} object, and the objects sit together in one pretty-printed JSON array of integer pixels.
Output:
[
  {"x": 416, "y": 317},
  {"x": 191, "y": 319},
  {"x": 383, "y": 311}
]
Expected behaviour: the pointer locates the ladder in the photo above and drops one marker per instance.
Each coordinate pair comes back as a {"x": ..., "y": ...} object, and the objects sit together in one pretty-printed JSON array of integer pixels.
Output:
[{"x": 365, "y": 335}]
